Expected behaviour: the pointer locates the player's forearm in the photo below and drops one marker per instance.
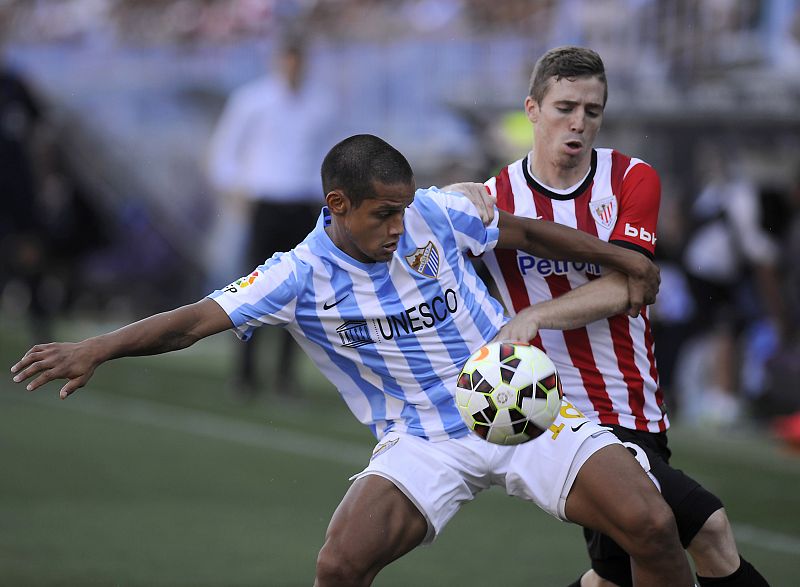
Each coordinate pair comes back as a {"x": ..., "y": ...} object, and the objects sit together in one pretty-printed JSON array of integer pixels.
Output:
[
  {"x": 561, "y": 243},
  {"x": 161, "y": 333},
  {"x": 553, "y": 241},
  {"x": 598, "y": 299}
]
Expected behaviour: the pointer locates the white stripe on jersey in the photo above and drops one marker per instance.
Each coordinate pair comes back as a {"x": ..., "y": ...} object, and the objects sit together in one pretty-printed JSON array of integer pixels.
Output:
[{"x": 391, "y": 337}]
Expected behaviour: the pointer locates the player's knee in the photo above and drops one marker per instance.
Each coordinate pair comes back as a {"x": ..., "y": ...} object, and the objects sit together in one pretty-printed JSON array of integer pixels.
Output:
[
  {"x": 336, "y": 568},
  {"x": 651, "y": 530},
  {"x": 715, "y": 531},
  {"x": 714, "y": 544}
]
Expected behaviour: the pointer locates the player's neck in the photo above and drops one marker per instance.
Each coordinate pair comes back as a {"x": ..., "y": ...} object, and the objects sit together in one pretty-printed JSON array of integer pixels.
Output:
[{"x": 555, "y": 174}]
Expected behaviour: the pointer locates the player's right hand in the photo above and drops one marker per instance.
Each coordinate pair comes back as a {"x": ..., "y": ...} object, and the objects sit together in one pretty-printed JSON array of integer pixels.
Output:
[
  {"x": 521, "y": 328},
  {"x": 74, "y": 362},
  {"x": 643, "y": 285},
  {"x": 479, "y": 195}
]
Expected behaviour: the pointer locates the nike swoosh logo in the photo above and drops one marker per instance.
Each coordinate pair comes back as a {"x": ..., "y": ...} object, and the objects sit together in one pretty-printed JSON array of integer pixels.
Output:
[
  {"x": 327, "y": 306},
  {"x": 578, "y": 427}
]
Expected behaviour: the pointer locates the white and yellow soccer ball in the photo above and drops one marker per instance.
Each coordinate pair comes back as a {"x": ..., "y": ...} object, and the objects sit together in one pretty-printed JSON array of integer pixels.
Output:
[{"x": 509, "y": 393}]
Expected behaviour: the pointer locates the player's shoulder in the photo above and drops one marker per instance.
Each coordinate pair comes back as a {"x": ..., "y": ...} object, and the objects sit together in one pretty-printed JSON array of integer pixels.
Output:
[
  {"x": 427, "y": 198},
  {"x": 501, "y": 184},
  {"x": 628, "y": 167},
  {"x": 513, "y": 167},
  {"x": 616, "y": 157}
]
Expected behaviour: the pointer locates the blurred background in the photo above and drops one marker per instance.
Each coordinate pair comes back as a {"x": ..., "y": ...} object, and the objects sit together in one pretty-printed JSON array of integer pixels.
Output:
[{"x": 118, "y": 201}]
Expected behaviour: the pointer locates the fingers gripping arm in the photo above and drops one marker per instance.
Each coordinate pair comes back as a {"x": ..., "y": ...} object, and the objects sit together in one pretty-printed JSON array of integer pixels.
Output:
[
  {"x": 161, "y": 333},
  {"x": 477, "y": 193}
]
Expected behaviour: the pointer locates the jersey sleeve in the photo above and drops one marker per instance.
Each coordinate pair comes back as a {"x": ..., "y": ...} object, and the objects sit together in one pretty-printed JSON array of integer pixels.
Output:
[
  {"x": 471, "y": 234},
  {"x": 267, "y": 296},
  {"x": 638, "y": 210}
]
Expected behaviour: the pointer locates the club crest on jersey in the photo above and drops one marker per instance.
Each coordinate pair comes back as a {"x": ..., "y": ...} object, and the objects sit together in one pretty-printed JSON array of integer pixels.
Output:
[
  {"x": 604, "y": 211},
  {"x": 425, "y": 260}
]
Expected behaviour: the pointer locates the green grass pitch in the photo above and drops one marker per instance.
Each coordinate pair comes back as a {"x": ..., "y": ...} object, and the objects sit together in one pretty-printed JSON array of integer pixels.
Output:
[{"x": 156, "y": 475}]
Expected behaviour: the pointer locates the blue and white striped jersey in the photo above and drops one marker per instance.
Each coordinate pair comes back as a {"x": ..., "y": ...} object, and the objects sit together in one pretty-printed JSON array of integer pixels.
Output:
[{"x": 392, "y": 336}]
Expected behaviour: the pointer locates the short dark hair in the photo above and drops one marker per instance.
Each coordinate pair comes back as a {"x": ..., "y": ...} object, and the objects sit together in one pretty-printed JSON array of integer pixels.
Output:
[
  {"x": 353, "y": 164},
  {"x": 566, "y": 62}
]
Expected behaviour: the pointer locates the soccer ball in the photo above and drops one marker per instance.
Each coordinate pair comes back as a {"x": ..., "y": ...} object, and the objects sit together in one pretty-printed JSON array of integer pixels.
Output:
[{"x": 508, "y": 393}]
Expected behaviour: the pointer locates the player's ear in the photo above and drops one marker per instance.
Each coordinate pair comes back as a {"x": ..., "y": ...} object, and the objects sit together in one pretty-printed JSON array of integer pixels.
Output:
[
  {"x": 532, "y": 109},
  {"x": 337, "y": 202}
]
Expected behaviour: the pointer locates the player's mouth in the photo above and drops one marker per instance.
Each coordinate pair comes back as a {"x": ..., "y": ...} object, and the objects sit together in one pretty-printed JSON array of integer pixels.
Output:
[
  {"x": 573, "y": 147},
  {"x": 390, "y": 247}
]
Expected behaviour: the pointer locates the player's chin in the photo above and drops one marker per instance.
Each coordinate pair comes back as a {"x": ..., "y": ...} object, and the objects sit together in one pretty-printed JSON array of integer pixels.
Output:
[{"x": 382, "y": 255}]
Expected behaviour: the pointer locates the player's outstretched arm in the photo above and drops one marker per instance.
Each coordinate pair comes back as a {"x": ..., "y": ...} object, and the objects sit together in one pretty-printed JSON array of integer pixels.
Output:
[
  {"x": 561, "y": 243},
  {"x": 161, "y": 333},
  {"x": 598, "y": 299}
]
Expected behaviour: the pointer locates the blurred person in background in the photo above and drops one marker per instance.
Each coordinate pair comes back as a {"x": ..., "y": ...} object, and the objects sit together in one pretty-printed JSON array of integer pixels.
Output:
[
  {"x": 48, "y": 223},
  {"x": 607, "y": 367},
  {"x": 673, "y": 313},
  {"x": 264, "y": 160},
  {"x": 23, "y": 233},
  {"x": 784, "y": 366},
  {"x": 732, "y": 263}
]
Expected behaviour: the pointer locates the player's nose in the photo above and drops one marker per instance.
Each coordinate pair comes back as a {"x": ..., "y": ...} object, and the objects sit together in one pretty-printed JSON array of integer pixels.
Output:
[
  {"x": 396, "y": 227},
  {"x": 577, "y": 121}
]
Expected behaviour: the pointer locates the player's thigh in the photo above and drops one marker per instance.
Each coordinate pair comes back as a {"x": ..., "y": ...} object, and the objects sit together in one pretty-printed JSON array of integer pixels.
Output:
[
  {"x": 374, "y": 524},
  {"x": 612, "y": 494},
  {"x": 544, "y": 469}
]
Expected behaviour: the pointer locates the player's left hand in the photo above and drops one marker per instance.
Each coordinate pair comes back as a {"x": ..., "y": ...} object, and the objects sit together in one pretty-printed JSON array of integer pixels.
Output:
[
  {"x": 75, "y": 362},
  {"x": 521, "y": 328},
  {"x": 479, "y": 195},
  {"x": 643, "y": 283}
]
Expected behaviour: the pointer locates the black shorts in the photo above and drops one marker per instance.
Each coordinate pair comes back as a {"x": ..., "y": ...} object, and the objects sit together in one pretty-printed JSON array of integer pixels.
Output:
[{"x": 690, "y": 502}]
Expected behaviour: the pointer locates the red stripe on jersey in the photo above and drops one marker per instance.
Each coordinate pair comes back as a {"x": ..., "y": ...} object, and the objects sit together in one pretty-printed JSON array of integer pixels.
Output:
[
  {"x": 505, "y": 195},
  {"x": 507, "y": 258},
  {"x": 620, "y": 325},
  {"x": 623, "y": 348},
  {"x": 650, "y": 344},
  {"x": 577, "y": 340},
  {"x": 583, "y": 216},
  {"x": 619, "y": 165}
]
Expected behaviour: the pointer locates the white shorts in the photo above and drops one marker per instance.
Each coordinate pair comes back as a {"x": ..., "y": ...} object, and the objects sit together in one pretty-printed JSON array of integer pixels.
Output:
[{"x": 440, "y": 476}]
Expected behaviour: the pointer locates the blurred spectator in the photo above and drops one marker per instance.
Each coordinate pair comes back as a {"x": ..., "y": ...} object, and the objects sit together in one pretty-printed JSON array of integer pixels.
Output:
[
  {"x": 780, "y": 395},
  {"x": 264, "y": 161},
  {"x": 732, "y": 266},
  {"x": 23, "y": 235},
  {"x": 792, "y": 251},
  {"x": 47, "y": 223},
  {"x": 674, "y": 310}
]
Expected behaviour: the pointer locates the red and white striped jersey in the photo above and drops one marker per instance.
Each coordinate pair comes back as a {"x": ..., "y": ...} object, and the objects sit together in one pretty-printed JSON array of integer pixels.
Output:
[{"x": 608, "y": 368}]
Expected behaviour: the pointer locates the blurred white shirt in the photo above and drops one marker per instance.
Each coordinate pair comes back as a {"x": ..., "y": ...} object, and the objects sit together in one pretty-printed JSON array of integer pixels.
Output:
[
  {"x": 733, "y": 234},
  {"x": 269, "y": 142}
]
